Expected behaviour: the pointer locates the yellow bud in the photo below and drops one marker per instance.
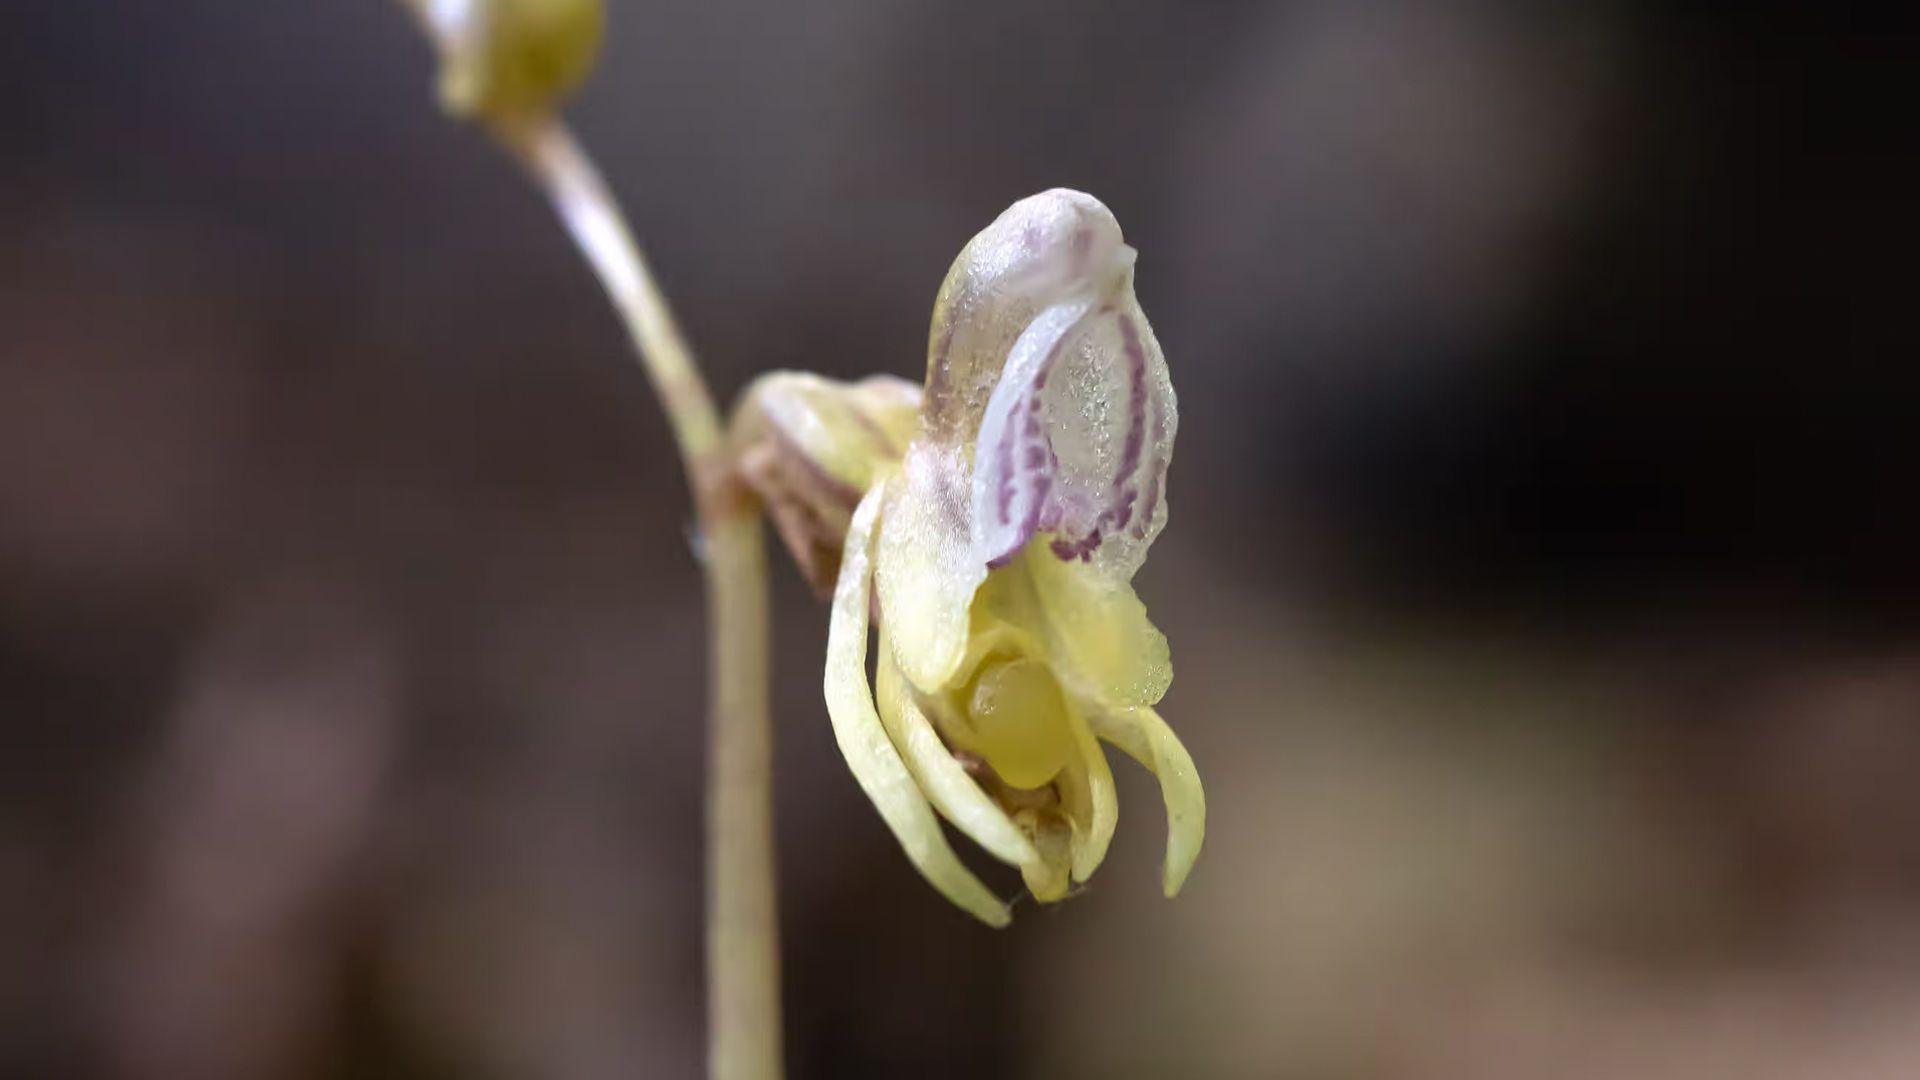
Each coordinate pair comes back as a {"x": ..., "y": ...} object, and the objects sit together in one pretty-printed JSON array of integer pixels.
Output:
[
  {"x": 811, "y": 447},
  {"x": 504, "y": 59}
]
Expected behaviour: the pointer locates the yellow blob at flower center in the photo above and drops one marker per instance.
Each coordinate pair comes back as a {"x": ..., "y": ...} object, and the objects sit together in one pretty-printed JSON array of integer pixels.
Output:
[{"x": 1020, "y": 721}]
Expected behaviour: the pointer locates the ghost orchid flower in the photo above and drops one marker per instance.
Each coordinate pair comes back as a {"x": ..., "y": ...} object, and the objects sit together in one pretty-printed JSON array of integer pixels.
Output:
[{"x": 1001, "y": 549}]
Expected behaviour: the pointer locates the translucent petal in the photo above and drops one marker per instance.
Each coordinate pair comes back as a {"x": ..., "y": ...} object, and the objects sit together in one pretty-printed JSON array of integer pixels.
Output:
[
  {"x": 1147, "y": 739},
  {"x": 863, "y": 740},
  {"x": 946, "y": 783},
  {"x": 1098, "y": 634},
  {"x": 1014, "y": 468},
  {"x": 923, "y": 566},
  {"x": 1038, "y": 252},
  {"x": 1077, "y": 436}
]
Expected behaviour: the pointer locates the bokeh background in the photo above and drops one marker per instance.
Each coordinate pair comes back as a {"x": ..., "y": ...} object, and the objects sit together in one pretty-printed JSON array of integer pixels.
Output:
[{"x": 1542, "y": 578}]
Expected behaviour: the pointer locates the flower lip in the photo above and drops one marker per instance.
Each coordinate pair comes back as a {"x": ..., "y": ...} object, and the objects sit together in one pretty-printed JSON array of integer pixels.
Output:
[{"x": 1077, "y": 435}]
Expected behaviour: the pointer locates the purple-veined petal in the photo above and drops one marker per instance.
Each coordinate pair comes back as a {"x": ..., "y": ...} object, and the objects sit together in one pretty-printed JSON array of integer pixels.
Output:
[
  {"x": 1076, "y": 438},
  {"x": 1014, "y": 464},
  {"x": 1040, "y": 251}
]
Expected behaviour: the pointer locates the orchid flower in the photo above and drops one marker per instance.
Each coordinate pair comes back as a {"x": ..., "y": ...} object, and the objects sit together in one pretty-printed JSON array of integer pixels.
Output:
[{"x": 995, "y": 556}]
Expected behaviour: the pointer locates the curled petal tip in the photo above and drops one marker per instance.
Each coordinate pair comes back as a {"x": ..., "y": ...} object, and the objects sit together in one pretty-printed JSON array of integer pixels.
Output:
[
  {"x": 1042, "y": 365},
  {"x": 1145, "y": 737},
  {"x": 1040, "y": 251}
]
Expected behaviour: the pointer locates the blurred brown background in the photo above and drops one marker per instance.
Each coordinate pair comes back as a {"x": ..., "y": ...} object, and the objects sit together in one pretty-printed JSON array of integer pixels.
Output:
[{"x": 1542, "y": 579}]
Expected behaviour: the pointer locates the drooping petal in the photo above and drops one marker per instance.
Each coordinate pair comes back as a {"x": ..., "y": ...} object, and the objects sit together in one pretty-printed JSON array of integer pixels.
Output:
[
  {"x": 944, "y": 780},
  {"x": 1093, "y": 807},
  {"x": 923, "y": 566},
  {"x": 1147, "y": 739},
  {"x": 1077, "y": 436},
  {"x": 1039, "y": 251},
  {"x": 863, "y": 739}
]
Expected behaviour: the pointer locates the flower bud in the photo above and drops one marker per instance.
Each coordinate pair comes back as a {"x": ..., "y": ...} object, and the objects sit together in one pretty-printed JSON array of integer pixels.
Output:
[
  {"x": 506, "y": 59},
  {"x": 811, "y": 446}
]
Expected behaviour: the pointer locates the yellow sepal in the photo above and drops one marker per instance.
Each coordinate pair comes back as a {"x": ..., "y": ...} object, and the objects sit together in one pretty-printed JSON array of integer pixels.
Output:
[
  {"x": 954, "y": 793},
  {"x": 1147, "y": 739},
  {"x": 863, "y": 740}
]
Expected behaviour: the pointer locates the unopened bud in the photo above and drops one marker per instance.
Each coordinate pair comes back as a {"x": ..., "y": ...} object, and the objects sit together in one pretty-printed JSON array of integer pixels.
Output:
[
  {"x": 811, "y": 446},
  {"x": 507, "y": 59}
]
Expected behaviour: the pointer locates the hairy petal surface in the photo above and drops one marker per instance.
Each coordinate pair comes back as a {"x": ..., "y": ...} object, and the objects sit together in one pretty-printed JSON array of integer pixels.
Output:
[
  {"x": 1039, "y": 251},
  {"x": 1077, "y": 436},
  {"x": 1147, "y": 739},
  {"x": 864, "y": 742},
  {"x": 924, "y": 566}
]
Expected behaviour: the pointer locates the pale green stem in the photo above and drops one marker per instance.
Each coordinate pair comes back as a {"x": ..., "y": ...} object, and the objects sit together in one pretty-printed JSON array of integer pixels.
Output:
[{"x": 743, "y": 954}]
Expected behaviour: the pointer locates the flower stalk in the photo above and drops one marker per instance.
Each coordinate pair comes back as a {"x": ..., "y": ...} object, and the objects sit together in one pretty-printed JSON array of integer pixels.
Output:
[
  {"x": 507, "y": 65},
  {"x": 743, "y": 962}
]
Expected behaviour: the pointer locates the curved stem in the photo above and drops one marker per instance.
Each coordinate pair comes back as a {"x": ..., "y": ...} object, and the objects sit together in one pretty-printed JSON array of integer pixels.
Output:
[{"x": 743, "y": 962}]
